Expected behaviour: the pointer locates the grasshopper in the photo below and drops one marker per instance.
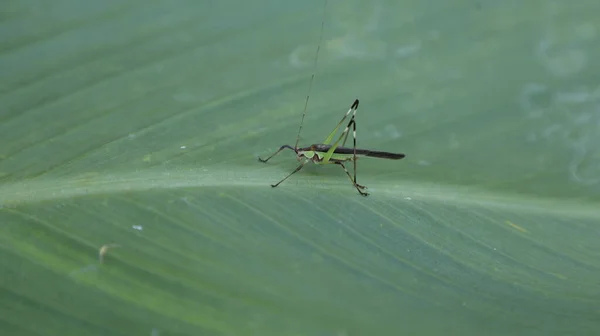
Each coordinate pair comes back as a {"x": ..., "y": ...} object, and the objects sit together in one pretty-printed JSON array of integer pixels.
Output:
[{"x": 327, "y": 153}]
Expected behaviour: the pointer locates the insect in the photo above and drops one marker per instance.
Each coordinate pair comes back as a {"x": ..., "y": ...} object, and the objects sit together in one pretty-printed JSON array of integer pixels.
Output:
[{"x": 327, "y": 153}]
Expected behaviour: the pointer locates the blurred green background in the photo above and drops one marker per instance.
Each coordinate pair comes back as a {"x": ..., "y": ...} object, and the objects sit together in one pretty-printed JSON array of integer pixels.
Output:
[{"x": 138, "y": 123}]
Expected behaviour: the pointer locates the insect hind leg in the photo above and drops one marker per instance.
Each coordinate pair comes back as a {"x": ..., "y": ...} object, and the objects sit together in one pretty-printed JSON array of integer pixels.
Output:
[
  {"x": 352, "y": 123},
  {"x": 354, "y": 138}
]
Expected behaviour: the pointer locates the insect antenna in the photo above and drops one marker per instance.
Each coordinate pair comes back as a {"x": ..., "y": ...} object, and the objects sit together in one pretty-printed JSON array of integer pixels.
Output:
[{"x": 312, "y": 77}]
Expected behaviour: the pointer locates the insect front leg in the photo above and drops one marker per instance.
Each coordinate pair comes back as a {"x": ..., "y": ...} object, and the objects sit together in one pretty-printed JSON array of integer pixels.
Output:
[{"x": 277, "y": 152}]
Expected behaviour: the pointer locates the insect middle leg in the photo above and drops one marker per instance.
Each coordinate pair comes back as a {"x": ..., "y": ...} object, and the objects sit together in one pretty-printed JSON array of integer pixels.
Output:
[
  {"x": 356, "y": 185},
  {"x": 292, "y": 173}
]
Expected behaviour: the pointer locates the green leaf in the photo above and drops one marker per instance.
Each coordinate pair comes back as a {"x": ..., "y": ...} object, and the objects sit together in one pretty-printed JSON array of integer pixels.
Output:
[{"x": 132, "y": 202}]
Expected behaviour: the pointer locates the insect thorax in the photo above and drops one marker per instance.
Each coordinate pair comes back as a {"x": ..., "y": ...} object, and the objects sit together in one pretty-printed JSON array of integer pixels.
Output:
[{"x": 311, "y": 155}]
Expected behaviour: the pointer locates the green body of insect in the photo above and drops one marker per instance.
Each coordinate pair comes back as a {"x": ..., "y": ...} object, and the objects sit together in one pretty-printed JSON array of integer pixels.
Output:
[{"x": 327, "y": 153}]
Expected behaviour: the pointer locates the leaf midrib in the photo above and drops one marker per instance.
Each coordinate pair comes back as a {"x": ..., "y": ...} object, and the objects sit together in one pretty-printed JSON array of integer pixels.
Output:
[{"x": 52, "y": 189}]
